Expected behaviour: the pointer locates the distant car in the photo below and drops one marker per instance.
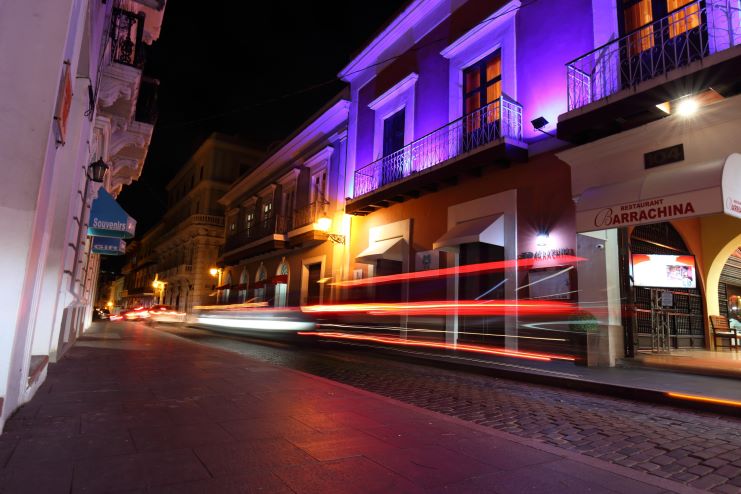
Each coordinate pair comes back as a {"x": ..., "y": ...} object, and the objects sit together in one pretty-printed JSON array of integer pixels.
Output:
[
  {"x": 101, "y": 313},
  {"x": 165, "y": 313},
  {"x": 134, "y": 314}
]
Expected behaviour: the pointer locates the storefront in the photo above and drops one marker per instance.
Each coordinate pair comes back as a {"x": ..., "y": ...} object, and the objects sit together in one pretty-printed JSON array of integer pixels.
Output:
[{"x": 657, "y": 210}]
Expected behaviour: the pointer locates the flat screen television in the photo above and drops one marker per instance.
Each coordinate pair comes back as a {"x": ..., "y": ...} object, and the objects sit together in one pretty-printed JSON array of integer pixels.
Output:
[{"x": 664, "y": 271}]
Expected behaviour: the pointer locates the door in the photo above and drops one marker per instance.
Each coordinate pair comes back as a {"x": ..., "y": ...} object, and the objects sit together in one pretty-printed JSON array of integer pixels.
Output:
[
  {"x": 482, "y": 88},
  {"x": 659, "y": 36},
  {"x": 393, "y": 140},
  {"x": 481, "y": 287},
  {"x": 313, "y": 294}
]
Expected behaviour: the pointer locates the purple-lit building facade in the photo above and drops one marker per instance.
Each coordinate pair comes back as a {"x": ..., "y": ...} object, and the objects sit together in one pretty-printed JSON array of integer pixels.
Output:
[
  {"x": 453, "y": 157},
  {"x": 447, "y": 169}
]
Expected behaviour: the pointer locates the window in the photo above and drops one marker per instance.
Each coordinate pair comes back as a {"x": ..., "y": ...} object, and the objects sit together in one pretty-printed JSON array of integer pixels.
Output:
[
  {"x": 267, "y": 213},
  {"x": 249, "y": 221},
  {"x": 482, "y": 85},
  {"x": 289, "y": 197},
  {"x": 636, "y": 15},
  {"x": 201, "y": 174},
  {"x": 685, "y": 19},
  {"x": 319, "y": 186},
  {"x": 393, "y": 133},
  {"x": 232, "y": 224}
]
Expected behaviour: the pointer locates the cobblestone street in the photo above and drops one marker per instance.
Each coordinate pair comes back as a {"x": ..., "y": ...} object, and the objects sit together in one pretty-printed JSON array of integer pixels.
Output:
[{"x": 698, "y": 449}]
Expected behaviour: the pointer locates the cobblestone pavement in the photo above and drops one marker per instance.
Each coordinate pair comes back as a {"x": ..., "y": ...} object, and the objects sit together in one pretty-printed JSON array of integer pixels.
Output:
[{"x": 701, "y": 450}]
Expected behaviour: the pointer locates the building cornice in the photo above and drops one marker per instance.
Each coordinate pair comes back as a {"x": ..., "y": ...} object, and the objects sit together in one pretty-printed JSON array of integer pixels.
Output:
[
  {"x": 319, "y": 128},
  {"x": 395, "y": 35}
]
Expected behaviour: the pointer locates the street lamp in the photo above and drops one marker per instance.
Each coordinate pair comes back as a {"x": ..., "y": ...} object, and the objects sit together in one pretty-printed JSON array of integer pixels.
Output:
[
  {"x": 323, "y": 224},
  {"x": 159, "y": 285},
  {"x": 95, "y": 172},
  {"x": 216, "y": 272}
]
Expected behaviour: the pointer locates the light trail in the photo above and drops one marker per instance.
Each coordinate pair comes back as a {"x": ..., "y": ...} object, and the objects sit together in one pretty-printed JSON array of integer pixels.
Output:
[
  {"x": 460, "y": 270},
  {"x": 438, "y": 331},
  {"x": 704, "y": 399},
  {"x": 440, "y": 308},
  {"x": 442, "y": 346}
]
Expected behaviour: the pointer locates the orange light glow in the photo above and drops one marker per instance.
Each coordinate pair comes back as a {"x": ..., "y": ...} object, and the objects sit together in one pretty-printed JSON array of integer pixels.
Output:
[
  {"x": 443, "y": 307},
  {"x": 461, "y": 270},
  {"x": 501, "y": 352},
  {"x": 704, "y": 399}
]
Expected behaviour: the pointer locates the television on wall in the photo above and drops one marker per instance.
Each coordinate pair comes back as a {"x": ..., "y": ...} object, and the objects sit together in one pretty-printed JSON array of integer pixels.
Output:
[{"x": 664, "y": 271}]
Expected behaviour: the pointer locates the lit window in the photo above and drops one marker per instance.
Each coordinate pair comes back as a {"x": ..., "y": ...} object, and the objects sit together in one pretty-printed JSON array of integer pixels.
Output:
[
  {"x": 684, "y": 19},
  {"x": 637, "y": 15}
]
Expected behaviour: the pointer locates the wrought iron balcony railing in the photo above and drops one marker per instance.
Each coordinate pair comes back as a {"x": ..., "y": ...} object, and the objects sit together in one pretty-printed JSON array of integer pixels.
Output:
[
  {"x": 501, "y": 118},
  {"x": 685, "y": 35},
  {"x": 273, "y": 225},
  {"x": 308, "y": 214},
  {"x": 127, "y": 30}
]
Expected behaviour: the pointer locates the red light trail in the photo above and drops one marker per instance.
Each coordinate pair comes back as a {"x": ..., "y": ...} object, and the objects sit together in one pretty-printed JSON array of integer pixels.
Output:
[{"x": 443, "y": 346}]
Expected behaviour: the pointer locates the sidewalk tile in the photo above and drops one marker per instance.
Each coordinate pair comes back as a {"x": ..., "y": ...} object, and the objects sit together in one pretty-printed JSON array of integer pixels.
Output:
[
  {"x": 431, "y": 466},
  {"x": 353, "y": 475},
  {"x": 335, "y": 445},
  {"x": 70, "y": 447},
  {"x": 250, "y": 457},
  {"x": 266, "y": 483},
  {"x": 273, "y": 427},
  {"x": 37, "y": 477},
  {"x": 137, "y": 471},
  {"x": 178, "y": 436}
]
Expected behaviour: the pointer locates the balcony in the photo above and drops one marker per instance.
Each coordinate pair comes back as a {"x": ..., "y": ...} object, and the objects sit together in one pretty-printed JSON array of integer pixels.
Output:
[
  {"x": 127, "y": 31},
  {"x": 489, "y": 135},
  {"x": 303, "y": 230},
  {"x": 264, "y": 236},
  {"x": 619, "y": 84}
]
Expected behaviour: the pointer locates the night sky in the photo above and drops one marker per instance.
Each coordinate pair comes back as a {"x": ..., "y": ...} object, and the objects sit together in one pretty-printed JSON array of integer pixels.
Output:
[{"x": 232, "y": 67}]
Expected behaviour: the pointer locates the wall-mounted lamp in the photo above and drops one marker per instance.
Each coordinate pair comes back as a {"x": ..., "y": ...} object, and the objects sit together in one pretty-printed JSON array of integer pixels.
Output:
[
  {"x": 541, "y": 240},
  {"x": 539, "y": 123},
  {"x": 323, "y": 224},
  {"x": 686, "y": 107},
  {"x": 96, "y": 171}
]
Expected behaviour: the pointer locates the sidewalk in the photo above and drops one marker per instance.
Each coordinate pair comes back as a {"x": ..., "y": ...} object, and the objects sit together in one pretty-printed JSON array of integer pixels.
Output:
[{"x": 131, "y": 409}]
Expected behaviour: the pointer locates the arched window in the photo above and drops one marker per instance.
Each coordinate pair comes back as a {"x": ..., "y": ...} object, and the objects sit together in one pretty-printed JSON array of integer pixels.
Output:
[
  {"x": 243, "y": 283},
  {"x": 281, "y": 283},
  {"x": 260, "y": 280}
]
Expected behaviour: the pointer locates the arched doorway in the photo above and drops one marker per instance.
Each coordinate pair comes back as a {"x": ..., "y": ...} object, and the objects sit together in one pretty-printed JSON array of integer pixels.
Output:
[
  {"x": 281, "y": 284},
  {"x": 227, "y": 292},
  {"x": 243, "y": 285},
  {"x": 681, "y": 309},
  {"x": 260, "y": 280}
]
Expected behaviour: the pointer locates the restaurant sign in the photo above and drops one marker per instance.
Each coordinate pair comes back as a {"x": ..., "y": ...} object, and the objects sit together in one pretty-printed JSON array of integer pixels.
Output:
[{"x": 654, "y": 210}]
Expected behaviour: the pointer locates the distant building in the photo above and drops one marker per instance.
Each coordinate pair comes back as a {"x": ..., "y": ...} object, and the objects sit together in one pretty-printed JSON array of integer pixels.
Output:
[
  {"x": 76, "y": 95},
  {"x": 285, "y": 234},
  {"x": 181, "y": 249}
]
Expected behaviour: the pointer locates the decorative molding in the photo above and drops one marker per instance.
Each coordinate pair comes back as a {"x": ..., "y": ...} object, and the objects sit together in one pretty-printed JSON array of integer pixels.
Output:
[
  {"x": 397, "y": 90},
  {"x": 482, "y": 30},
  {"x": 289, "y": 177},
  {"x": 320, "y": 158}
]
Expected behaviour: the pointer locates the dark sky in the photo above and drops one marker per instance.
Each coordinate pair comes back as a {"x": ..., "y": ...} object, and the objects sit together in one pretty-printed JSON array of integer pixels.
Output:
[{"x": 238, "y": 58}]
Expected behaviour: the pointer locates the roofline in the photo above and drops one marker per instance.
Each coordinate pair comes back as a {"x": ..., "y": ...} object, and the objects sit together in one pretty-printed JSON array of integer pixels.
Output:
[{"x": 331, "y": 115}]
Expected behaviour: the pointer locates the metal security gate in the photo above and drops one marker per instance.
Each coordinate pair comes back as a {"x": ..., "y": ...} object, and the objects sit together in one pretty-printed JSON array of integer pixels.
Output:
[{"x": 682, "y": 321}]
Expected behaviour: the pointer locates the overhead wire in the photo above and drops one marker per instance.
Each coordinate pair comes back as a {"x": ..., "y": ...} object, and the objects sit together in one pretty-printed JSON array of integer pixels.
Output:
[{"x": 328, "y": 82}]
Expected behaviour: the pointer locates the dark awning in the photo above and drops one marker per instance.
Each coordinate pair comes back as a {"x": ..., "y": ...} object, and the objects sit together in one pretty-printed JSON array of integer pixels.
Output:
[
  {"x": 108, "y": 246},
  {"x": 108, "y": 219}
]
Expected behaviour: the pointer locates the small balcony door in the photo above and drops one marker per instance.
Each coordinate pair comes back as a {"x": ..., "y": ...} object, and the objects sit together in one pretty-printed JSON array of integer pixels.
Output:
[
  {"x": 660, "y": 35},
  {"x": 482, "y": 88},
  {"x": 393, "y": 141}
]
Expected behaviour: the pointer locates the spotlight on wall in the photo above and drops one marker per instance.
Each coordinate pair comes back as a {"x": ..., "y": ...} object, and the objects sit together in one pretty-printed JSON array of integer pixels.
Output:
[
  {"x": 539, "y": 123},
  {"x": 541, "y": 240},
  {"x": 687, "y": 107}
]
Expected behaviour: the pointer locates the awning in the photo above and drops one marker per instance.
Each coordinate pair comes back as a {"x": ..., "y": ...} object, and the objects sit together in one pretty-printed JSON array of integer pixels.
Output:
[
  {"x": 390, "y": 249},
  {"x": 108, "y": 219},
  {"x": 280, "y": 278},
  {"x": 663, "y": 195},
  {"x": 487, "y": 230},
  {"x": 108, "y": 246}
]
